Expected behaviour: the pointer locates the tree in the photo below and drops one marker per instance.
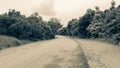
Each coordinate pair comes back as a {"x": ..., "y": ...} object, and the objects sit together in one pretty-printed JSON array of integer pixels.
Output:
[
  {"x": 96, "y": 24},
  {"x": 55, "y": 24},
  {"x": 8, "y": 19},
  {"x": 84, "y": 22},
  {"x": 31, "y": 30},
  {"x": 113, "y": 4},
  {"x": 63, "y": 31},
  {"x": 72, "y": 27}
]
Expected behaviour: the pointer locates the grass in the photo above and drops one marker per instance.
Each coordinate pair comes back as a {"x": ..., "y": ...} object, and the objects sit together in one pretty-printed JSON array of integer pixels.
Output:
[{"x": 6, "y": 41}]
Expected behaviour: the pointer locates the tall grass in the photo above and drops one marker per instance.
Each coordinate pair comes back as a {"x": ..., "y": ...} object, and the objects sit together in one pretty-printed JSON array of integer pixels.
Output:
[{"x": 6, "y": 41}]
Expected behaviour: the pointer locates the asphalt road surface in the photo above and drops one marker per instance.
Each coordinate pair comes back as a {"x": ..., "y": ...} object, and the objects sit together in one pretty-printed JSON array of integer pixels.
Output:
[{"x": 62, "y": 52}]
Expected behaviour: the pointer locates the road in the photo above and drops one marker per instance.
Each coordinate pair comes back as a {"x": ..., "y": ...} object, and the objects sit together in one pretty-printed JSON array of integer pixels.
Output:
[{"x": 62, "y": 52}]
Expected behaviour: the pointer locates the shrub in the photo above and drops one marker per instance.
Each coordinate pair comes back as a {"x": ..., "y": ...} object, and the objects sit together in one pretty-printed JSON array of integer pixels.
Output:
[{"x": 6, "y": 42}]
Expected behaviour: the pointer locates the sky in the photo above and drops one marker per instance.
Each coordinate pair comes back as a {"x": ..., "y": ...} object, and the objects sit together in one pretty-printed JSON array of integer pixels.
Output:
[{"x": 61, "y": 9}]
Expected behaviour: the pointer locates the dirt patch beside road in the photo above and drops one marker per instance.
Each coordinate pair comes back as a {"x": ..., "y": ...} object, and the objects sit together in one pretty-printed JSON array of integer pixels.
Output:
[{"x": 101, "y": 54}]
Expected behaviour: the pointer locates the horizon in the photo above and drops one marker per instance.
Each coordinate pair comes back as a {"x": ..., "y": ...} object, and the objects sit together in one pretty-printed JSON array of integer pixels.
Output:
[{"x": 64, "y": 10}]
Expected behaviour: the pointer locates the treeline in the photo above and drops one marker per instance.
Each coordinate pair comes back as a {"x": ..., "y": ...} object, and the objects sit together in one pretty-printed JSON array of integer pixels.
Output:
[
  {"x": 17, "y": 29},
  {"x": 96, "y": 24},
  {"x": 32, "y": 27}
]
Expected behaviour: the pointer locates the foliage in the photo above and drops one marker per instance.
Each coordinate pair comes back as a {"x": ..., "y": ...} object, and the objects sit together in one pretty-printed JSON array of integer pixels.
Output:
[
  {"x": 96, "y": 24},
  {"x": 31, "y": 28},
  {"x": 72, "y": 27},
  {"x": 84, "y": 22},
  {"x": 6, "y": 42},
  {"x": 55, "y": 24},
  {"x": 78, "y": 27},
  {"x": 63, "y": 31}
]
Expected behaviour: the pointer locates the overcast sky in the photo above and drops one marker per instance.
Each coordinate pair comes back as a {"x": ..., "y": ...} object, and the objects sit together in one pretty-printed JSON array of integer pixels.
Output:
[{"x": 63, "y": 9}]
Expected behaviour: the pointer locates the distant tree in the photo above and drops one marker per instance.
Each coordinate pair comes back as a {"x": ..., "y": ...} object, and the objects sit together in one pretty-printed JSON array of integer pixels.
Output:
[
  {"x": 97, "y": 8},
  {"x": 63, "y": 31},
  {"x": 78, "y": 27},
  {"x": 113, "y": 4},
  {"x": 13, "y": 13},
  {"x": 72, "y": 27},
  {"x": 55, "y": 24}
]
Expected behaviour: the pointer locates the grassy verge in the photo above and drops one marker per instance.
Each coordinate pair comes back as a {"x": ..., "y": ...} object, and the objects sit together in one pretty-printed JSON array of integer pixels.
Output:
[{"x": 6, "y": 41}]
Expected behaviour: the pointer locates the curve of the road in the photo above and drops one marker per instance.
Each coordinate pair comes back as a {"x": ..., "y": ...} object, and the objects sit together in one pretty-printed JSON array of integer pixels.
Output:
[{"x": 62, "y": 52}]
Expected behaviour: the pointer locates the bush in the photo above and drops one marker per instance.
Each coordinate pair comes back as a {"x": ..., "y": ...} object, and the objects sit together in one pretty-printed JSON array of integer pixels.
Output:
[{"x": 6, "y": 42}]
